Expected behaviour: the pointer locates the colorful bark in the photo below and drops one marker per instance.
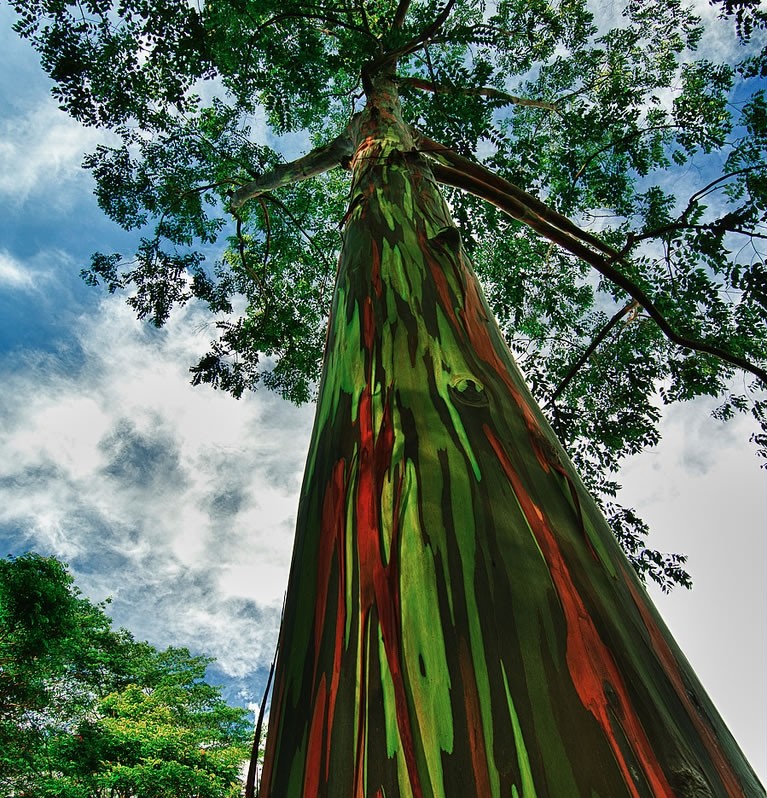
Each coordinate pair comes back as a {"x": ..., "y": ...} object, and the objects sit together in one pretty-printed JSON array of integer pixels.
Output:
[{"x": 459, "y": 619}]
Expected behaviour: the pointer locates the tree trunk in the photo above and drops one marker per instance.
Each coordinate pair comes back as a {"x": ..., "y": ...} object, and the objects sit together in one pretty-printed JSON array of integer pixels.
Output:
[{"x": 459, "y": 619}]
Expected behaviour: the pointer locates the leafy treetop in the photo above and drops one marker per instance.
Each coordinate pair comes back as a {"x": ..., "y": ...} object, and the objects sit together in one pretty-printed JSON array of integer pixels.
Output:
[
  {"x": 609, "y": 182},
  {"x": 89, "y": 712}
]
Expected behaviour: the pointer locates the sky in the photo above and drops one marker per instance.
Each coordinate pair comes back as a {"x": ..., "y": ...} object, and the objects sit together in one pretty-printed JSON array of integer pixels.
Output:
[{"x": 179, "y": 502}]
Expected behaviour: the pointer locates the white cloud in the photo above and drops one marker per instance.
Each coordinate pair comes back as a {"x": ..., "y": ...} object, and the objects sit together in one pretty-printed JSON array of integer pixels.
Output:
[
  {"x": 702, "y": 493},
  {"x": 177, "y": 501},
  {"x": 43, "y": 148},
  {"x": 13, "y": 274}
]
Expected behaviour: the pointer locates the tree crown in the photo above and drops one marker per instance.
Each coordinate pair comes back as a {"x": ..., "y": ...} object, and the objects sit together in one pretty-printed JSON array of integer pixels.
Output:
[
  {"x": 617, "y": 146},
  {"x": 88, "y": 710}
]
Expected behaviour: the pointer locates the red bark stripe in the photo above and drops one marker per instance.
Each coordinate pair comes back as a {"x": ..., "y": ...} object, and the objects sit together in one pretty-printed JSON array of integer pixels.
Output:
[
  {"x": 340, "y": 620},
  {"x": 368, "y": 325},
  {"x": 477, "y": 746},
  {"x": 589, "y": 660},
  {"x": 336, "y": 675},
  {"x": 330, "y": 539},
  {"x": 374, "y": 462},
  {"x": 438, "y": 276},
  {"x": 313, "y": 766}
]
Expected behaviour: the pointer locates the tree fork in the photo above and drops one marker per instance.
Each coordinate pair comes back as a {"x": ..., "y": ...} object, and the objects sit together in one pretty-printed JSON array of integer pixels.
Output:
[{"x": 460, "y": 620}]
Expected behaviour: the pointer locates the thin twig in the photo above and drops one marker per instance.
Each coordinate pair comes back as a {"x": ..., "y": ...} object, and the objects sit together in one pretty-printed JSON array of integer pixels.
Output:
[
  {"x": 714, "y": 183},
  {"x": 208, "y": 186},
  {"x": 243, "y": 260},
  {"x": 331, "y": 20},
  {"x": 589, "y": 351},
  {"x": 280, "y": 204},
  {"x": 268, "y": 226}
]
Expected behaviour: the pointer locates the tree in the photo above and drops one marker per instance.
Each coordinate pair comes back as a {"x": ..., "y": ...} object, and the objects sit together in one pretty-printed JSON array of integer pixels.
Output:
[
  {"x": 460, "y": 619},
  {"x": 88, "y": 712}
]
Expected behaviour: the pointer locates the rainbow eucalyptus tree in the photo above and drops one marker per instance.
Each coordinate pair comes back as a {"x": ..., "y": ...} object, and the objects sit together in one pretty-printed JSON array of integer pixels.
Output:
[{"x": 585, "y": 192}]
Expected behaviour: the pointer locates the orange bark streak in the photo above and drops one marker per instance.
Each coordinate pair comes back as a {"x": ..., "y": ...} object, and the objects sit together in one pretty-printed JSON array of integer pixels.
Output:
[
  {"x": 589, "y": 660},
  {"x": 439, "y": 278}
]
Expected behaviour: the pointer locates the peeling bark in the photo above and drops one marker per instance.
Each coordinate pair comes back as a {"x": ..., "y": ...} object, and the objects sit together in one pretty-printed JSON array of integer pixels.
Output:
[{"x": 459, "y": 620}]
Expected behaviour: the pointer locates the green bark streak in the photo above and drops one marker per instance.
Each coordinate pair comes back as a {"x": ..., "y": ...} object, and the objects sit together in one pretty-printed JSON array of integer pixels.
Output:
[
  {"x": 459, "y": 620},
  {"x": 528, "y": 786}
]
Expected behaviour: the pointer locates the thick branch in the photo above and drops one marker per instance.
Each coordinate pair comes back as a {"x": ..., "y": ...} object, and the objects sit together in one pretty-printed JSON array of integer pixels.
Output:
[
  {"x": 400, "y": 14},
  {"x": 533, "y": 210},
  {"x": 476, "y": 179},
  {"x": 319, "y": 160},
  {"x": 482, "y": 91}
]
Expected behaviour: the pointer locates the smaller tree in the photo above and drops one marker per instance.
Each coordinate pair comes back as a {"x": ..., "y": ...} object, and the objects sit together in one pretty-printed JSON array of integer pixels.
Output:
[{"x": 89, "y": 712}]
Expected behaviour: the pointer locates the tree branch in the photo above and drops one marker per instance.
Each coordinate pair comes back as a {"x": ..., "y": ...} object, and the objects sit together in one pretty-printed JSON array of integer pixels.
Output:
[
  {"x": 679, "y": 226},
  {"x": 439, "y": 21},
  {"x": 714, "y": 184},
  {"x": 249, "y": 270},
  {"x": 400, "y": 14},
  {"x": 476, "y": 179},
  {"x": 589, "y": 351},
  {"x": 268, "y": 226},
  {"x": 319, "y": 160},
  {"x": 415, "y": 43},
  {"x": 312, "y": 243},
  {"x": 532, "y": 210},
  {"x": 327, "y": 18},
  {"x": 364, "y": 18},
  {"x": 483, "y": 91},
  {"x": 623, "y": 140}
]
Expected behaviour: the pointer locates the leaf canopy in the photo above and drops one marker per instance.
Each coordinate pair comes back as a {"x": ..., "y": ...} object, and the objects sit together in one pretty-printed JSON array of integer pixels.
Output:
[
  {"x": 614, "y": 120},
  {"x": 88, "y": 711}
]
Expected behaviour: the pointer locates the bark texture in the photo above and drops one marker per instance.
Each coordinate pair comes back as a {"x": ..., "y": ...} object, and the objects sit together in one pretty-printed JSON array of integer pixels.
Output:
[{"x": 460, "y": 621}]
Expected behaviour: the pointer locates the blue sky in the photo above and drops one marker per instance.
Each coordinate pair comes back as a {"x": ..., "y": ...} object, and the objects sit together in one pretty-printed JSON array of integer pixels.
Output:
[{"x": 179, "y": 502}]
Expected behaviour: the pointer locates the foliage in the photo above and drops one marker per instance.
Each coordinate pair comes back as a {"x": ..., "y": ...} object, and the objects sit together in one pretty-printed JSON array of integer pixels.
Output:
[
  {"x": 86, "y": 711},
  {"x": 617, "y": 123}
]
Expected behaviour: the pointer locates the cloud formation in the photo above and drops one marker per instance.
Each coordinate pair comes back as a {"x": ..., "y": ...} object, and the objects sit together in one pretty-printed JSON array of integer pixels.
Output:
[{"x": 178, "y": 502}]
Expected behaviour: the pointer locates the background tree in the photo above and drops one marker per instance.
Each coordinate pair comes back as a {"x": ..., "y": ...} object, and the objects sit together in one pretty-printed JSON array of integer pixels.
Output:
[
  {"x": 436, "y": 494},
  {"x": 87, "y": 711}
]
